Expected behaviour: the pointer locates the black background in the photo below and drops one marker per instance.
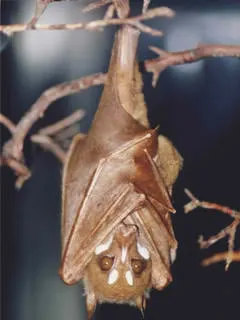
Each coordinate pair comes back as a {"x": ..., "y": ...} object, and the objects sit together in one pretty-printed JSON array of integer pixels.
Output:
[{"x": 197, "y": 107}]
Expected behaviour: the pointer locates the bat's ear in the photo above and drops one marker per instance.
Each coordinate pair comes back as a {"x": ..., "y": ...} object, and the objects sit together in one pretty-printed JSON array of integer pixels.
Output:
[{"x": 170, "y": 161}]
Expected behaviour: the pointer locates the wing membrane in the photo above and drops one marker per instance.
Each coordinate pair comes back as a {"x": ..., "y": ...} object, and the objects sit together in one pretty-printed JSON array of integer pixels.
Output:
[
  {"x": 91, "y": 213},
  {"x": 150, "y": 182}
]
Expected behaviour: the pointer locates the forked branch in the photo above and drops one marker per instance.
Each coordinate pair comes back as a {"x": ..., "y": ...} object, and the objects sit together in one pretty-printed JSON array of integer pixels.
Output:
[
  {"x": 98, "y": 24},
  {"x": 43, "y": 139},
  {"x": 12, "y": 150},
  {"x": 223, "y": 256},
  {"x": 229, "y": 231},
  {"x": 166, "y": 59}
]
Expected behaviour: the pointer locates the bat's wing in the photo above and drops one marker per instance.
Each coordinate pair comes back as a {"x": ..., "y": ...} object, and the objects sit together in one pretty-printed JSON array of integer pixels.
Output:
[
  {"x": 149, "y": 180},
  {"x": 160, "y": 242},
  {"x": 154, "y": 220},
  {"x": 70, "y": 189},
  {"x": 91, "y": 213},
  {"x": 169, "y": 161},
  {"x": 98, "y": 195}
]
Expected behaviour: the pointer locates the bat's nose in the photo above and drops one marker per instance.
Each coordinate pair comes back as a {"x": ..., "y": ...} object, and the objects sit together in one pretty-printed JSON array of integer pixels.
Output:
[{"x": 126, "y": 230}]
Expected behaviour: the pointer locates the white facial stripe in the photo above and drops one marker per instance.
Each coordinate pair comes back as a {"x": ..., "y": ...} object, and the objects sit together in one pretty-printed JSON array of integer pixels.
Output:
[
  {"x": 143, "y": 251},
  {"x": 103, "y": 246},
  {"x": 113, "y": 276},
  {"x": 129, "y": 277},
  {"x": 124, "y": 255}
]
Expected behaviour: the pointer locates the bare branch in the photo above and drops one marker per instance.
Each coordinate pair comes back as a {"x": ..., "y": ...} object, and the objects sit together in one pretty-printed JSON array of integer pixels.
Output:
[
  {"x": 166, "y": 59},
  {"x": 48, "y": 144},
  {"x": 7, "y": 123},
  {"x": 194, "y": 203},
  {"x": 146, "y": 4},
  {"x": 109, "y": 13},
  {"x": 120, "y": 6},
  {"x": 18, "y": 166},
  {"x": 13, "y": 147},
  {"x": 96, "y": 4},
  {"x": 62, "y": 124},
  {"x": 204, "y": 244},
  {"x": 64, "y": 138},
  {"x": 41, "y": 6},
  {"x": 98, "y": 24},
  {"x": 223, "y": 256},
  {"x": 229, "y": 231}
]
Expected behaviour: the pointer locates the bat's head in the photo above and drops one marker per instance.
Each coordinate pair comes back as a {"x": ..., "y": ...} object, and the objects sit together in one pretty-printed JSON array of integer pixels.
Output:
[{"x": 120, "y": 270}]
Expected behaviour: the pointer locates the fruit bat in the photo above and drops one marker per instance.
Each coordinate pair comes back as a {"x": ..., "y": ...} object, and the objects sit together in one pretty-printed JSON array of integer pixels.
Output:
[{"x": 117, "y": 232}]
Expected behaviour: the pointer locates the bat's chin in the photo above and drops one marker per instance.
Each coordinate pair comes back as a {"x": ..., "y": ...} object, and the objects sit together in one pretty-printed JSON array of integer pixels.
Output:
[
  {"x": 136, "y": 301},
  {"x": 120, "y": 293}
]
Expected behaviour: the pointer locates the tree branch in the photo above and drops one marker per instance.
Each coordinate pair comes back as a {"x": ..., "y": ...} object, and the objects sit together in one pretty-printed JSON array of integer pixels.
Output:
[
  {"x": 7, "y": 123},
  {"x": 62, "y": 124},
  {"x": 96, "y": 5},
  {"x": 98, "y": 24},
  {"x": 48, "y": 144},
  {"x": 166, "y": 59},
  {"x": 229, "y": 231},
  {"x": 41, "y": 6},
  {"x": 223, "y": 256},
  {"x": 43, "y": 139},
  {"x": 194, "y": 203},
  {"x": 13, "y": 148}
]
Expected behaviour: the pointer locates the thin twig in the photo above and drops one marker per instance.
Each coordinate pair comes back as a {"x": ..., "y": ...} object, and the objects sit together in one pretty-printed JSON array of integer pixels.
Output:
[
  {"x": 95, "y": 5},
  {"x": 7, "y": 123},
  {"x": 41, "y": 6},
  {"x": 229, "y": 231},
  {"x": 13, "y": 147},
  {"x": 109, "y": 12},
  {"x": 204, "y": 244},
  {"x": 56, "y": 92},
  {"x": 121, "y": 6},
  {"x": 194, "y": 203},
  {"x": 48, "y": 144},
  {"x": 222, "y": 256},
  {"x": 62, "y": 124},
  {"x": 18, "y": 166},
  {"x": 67, "y": 133},
  {"x": 166, "y": 59},
  {"x": 146, "y": 4},
  {"x": 98, "y": 24}
]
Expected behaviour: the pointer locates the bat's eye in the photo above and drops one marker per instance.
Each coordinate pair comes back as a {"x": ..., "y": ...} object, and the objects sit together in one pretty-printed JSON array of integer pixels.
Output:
[
  {"x": 106, "y": 263},
  {"x": 138, "y": 266}
]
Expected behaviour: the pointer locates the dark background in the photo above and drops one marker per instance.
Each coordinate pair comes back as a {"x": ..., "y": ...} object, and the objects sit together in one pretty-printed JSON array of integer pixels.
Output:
[{"x": 197, "y": 107}]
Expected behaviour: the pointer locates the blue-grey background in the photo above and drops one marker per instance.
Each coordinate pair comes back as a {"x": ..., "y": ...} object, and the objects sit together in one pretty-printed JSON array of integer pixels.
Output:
[{"x": 197, "y": 107}]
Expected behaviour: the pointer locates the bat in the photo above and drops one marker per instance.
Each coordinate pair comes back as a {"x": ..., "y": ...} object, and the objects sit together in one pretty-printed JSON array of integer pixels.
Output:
[{"x": 116, "y": 231}]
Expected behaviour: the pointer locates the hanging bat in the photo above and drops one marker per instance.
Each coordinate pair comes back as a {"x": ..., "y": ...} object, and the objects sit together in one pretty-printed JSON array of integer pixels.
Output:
[{"x": 117, "y": 233}]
